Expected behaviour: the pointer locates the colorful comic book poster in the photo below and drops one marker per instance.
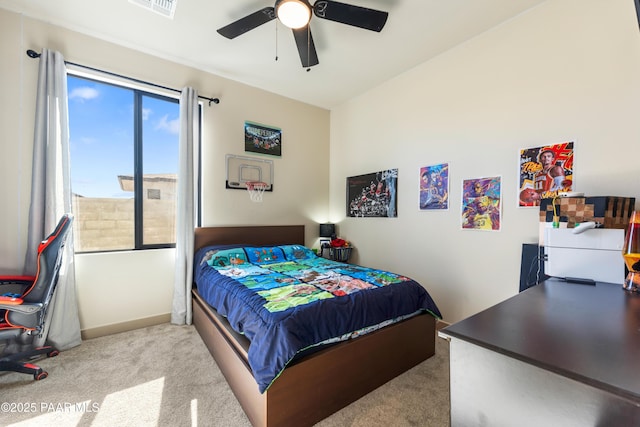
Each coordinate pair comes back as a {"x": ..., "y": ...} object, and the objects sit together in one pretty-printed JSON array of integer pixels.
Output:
[
  {"x": 544, "y": 172},
  {"x": 434, "y": 187},
  {"x": 262, "y": 139},
  {"x": 481, "y": 203}
]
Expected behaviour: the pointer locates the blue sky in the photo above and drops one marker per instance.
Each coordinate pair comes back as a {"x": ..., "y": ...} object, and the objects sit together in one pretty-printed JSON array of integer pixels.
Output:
[{"x": 101, "y": 134}]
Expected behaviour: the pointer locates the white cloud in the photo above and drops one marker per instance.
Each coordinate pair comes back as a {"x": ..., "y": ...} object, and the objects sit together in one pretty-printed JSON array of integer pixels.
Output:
[
  {"x": 146, "y": 112},
  {"x": 171, "y": 126},
  {"x": 84, "y": 93}
]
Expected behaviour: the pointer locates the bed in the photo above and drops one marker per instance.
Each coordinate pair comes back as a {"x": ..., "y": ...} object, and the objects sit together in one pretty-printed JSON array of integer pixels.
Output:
[{"x": 315, "y": 382}]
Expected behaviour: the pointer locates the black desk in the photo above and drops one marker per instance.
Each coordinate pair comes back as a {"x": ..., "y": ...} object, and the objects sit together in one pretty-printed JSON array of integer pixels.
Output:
[{"x": 587, "y": 334}]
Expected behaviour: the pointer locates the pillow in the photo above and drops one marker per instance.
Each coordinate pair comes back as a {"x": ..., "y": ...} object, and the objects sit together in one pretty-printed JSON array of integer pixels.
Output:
[
  {"x": 265, "y": 255},
  {"x": 294, "y": 252},
  {"x": 226, "y": 257}
]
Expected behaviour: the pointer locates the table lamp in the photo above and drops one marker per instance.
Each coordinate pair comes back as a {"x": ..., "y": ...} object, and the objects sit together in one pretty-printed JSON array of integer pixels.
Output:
[{"x": 328, "y": 230}]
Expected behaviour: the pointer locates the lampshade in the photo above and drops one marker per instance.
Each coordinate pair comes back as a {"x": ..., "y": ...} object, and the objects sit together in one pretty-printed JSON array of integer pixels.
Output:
[
  {"x": 327, "y": 230},
  {"x": 293, "y": 13}
]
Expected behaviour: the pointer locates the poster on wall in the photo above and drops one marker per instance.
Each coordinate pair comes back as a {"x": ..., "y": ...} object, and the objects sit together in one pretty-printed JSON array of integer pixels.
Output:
[
  {"x": 434, "y": 187},
  {"x": 481, "y": 203},
  {"x": 544, "y": 172},
  {"x": 262, "y": 139},
  {"x": 373, "y": 194}
]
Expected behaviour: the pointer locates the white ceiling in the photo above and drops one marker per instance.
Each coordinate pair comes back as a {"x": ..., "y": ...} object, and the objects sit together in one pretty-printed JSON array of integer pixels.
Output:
[{"x": 352, "y": 60}]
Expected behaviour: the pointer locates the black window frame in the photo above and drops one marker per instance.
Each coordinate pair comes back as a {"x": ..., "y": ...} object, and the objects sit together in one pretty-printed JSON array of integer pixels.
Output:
[{"x": 138, "y": 145}]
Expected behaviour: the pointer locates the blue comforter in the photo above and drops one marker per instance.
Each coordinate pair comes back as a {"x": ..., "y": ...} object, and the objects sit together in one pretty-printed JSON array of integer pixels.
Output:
[{"x": 286, "y": 299}]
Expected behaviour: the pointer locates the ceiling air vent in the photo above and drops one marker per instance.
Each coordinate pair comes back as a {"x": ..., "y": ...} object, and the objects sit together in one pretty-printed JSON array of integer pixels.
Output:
[{"x": 163, "y": 7}]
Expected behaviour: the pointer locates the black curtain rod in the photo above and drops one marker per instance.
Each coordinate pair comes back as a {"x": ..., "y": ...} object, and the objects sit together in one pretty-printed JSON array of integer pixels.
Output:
[{"x": 33, "y": 54}]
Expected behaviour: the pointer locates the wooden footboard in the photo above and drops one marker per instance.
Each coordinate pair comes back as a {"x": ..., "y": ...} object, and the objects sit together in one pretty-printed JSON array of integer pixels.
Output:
[{"x": 321, "y": 383}]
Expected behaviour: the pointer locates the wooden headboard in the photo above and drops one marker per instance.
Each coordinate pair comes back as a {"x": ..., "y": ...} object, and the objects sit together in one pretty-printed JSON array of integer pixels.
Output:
[{"x": 250, "y": 235}]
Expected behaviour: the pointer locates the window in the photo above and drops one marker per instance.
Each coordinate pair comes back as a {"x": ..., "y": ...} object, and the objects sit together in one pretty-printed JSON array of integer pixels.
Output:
[
  {"x": 153, "y": 193},
  {"x": 124, "y": 164}
]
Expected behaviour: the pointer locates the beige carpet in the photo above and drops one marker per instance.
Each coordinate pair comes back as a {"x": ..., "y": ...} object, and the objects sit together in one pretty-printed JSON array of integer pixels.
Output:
[{"x": 164, "y": 376}]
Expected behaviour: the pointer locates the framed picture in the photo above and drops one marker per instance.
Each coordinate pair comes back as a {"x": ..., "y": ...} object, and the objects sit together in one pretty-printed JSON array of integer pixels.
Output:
[
  {"x": 481, "y": 203},
  {"x": 262, "y": 139},
  {"x": 544, "y": 172},
  {"x": 373, "y": 194},
  {"x": 434, "y": 187}
]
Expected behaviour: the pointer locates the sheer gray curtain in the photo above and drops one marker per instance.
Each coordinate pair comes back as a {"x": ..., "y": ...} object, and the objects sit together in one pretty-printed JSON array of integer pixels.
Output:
[
  {"x": 187, "y": 206},
  {"x": 51, "y": 194}
]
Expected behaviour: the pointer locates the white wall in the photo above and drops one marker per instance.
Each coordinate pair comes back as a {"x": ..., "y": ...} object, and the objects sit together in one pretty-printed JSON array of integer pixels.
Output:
[
  {"x": 116, "y": 288},
  {"x": 566, "y": 70}
]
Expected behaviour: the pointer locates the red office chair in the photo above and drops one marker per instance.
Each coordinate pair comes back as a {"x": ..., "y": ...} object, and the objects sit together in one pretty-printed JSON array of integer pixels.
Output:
[{"x": 24, "y": 301}]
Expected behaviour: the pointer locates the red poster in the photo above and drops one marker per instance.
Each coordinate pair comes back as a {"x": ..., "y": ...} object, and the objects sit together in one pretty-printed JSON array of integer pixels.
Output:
[{"x": 544, "y": 172}]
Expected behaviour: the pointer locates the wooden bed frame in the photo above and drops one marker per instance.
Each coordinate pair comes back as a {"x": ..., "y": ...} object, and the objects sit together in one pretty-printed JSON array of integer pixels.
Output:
[{"x": 319, "y": 384}]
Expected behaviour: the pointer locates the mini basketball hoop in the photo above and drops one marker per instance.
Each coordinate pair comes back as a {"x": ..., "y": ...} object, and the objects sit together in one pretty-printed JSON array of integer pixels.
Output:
[{"x": 256, "y": 190}]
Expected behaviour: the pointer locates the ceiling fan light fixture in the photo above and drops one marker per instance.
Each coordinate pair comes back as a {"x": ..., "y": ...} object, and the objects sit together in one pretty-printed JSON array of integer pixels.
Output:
[{"x": 293, "y": 13}]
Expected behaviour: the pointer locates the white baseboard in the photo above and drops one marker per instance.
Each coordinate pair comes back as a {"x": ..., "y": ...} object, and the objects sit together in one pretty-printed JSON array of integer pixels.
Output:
[{"x": 125, "y": 326}]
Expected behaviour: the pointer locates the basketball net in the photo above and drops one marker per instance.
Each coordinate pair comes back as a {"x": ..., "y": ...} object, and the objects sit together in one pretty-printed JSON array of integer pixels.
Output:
[{"x": 256, "y": 190}]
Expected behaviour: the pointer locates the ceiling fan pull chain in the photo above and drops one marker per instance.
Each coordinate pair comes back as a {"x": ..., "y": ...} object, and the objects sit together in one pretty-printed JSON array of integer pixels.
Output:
[{"x": 276, "y": 39}]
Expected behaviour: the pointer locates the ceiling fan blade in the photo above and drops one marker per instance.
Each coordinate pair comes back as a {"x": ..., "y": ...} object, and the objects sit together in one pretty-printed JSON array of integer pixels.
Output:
[
  {"x": 248, "y": 23},
  {"x": 306, "y": 48},
  {"x": 348, "y": 14}
]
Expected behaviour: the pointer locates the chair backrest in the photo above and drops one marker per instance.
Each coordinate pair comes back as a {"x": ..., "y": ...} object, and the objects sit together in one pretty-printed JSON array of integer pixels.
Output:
[
  {"x": 50, "y": 253},
  {"x": 41, "y": 290}
]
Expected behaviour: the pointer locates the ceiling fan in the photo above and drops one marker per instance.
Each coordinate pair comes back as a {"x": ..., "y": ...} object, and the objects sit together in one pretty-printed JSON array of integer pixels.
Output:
[{"x": 296, "y": 15}]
